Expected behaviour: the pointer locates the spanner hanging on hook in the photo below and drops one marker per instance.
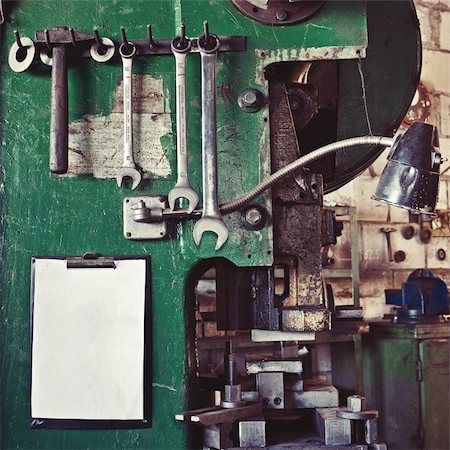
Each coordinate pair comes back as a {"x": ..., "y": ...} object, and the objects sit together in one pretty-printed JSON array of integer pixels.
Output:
[
  {"x": 211, "y": 219},
  {"x": 181, "y": 47},
  {"x": 127, "y": 51}
]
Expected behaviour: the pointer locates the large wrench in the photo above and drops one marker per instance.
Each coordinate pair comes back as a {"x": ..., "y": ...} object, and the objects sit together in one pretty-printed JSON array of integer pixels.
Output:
[
  {"x": 182, "y": 189},
  {"x": 127, "y": 50},
  {"x": 211, "y": 219}
]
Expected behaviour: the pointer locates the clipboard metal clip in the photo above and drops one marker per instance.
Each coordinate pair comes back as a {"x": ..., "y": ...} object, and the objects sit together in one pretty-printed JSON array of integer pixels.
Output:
[{"x": 90, "y": 260}]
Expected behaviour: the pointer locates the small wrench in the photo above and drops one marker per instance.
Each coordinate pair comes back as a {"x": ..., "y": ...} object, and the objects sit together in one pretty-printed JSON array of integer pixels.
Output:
[
  {"x": 211, "y": 219},
  {"x": 182, "y": 189},
  {"x": 127, "y": 50}
]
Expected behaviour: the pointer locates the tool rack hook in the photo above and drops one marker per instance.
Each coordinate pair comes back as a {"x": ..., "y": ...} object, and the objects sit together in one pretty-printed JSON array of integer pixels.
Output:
[{"x": 151, "y": 41}]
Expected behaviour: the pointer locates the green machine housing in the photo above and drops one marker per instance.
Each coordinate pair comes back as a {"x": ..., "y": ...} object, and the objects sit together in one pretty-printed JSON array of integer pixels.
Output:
[{"x": 43, "y": 214}]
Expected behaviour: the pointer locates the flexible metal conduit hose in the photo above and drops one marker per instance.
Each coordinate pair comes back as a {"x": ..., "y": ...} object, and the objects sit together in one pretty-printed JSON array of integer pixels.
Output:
[{"x": 229, "y": 207}]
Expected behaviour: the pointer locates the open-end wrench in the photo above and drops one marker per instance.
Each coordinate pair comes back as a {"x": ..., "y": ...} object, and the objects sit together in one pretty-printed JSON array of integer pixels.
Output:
[
  {"x": 211, "y": 219},
  {"x": 127, "y": 50},
  {"x": 182, "y": 189}
]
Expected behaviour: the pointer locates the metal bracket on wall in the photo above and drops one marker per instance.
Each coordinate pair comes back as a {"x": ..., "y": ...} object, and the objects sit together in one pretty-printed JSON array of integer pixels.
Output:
[{"x": 139, "y": 222}]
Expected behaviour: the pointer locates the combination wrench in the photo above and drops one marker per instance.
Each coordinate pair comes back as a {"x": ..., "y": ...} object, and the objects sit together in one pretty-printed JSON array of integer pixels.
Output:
[
  {"x": 181, "y": 47},
  {"x": 127, "y": 50},
  {"x": 211, "y": 219}
]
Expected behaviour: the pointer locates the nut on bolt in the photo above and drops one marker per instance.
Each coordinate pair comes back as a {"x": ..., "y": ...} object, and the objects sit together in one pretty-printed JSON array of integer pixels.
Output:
[
  {"x": 356, "y": 403},
  {"x": 251, "y": 100}
]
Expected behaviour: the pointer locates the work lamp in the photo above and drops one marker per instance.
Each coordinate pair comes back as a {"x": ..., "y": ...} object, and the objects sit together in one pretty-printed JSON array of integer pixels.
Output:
[{"x": 410, "y": 178}]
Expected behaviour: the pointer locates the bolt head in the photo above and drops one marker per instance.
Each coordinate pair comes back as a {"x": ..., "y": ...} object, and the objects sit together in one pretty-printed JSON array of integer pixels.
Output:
[
  {"x": 253, "y": 216},
  {"x": 356, "y": 403},
  {"x": 249, "y": 98},
  {"x": 281, "y": 15}
]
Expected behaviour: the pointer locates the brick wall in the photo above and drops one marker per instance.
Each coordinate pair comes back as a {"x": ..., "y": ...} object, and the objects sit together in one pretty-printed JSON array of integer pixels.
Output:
[{"x": 376, "y": 272}]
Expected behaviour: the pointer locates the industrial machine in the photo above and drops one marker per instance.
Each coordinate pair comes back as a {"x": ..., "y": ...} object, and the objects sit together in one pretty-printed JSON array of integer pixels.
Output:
[{"x": 186, "y": 99}]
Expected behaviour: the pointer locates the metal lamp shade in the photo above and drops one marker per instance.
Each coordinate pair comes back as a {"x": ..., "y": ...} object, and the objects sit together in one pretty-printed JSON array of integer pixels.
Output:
[{"x": 410, "y": 178}]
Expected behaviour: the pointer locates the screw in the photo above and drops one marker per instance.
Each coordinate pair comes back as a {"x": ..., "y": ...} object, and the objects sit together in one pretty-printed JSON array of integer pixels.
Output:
[
  {"x": 277, "y": 400},
  {"x": 281, "y": 15}
]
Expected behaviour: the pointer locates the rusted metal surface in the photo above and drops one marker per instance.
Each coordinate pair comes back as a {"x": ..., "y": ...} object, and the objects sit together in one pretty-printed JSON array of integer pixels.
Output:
[
  {"x": 276, "y": 13},
  {"x": 304, "y": 319}
]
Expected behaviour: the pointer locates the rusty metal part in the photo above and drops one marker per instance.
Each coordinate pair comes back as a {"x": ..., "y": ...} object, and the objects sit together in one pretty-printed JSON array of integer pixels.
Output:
[
  {"x": 387, "y": 231},
  {"x": 425, "y": 235},
  {"x": 221, "y": 415},
  {"x": 420, "y": 108},
  {"x": 303, "y": 103},
  {"x": 285, "y": 281},
  {"x": 399, "y": 256},
  {"x": 408, "y": 232},
  {"x": 58, "y": 41},
  {"x": 231, "y": 394},
  {"x": 316, "y": 394},
  {"x": 278, "y": 13},
  {"x": 441, "y": 254},
  {"x": 305, "y": 319},
  {"x": 345, "y": 413},
  {"x": 286, "y": 366}
]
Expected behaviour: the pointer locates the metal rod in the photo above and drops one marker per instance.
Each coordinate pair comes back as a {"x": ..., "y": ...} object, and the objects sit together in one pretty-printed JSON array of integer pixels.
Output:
[
  {"x": 47, "y": 40},
  {"x": 124, "y": 36},
  {"x": 206, "y": 30},
  {"x": 73, "y": 38},
  {"x": 151, "y": 42},
  {"x": 97, "y": 38},
  {"x": 18, "y": 42}
]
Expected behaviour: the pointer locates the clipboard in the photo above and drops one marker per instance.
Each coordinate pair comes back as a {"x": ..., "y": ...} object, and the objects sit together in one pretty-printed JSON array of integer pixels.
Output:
[{"x": 90, "y": 342}]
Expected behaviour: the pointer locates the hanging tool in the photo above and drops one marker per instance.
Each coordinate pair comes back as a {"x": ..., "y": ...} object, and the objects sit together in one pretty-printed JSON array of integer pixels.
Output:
[
  {"x": 127, "y": 51},
  {"x": 387, "y": 231},
  {"x": 211, "y": 219},
  {"x": 181, "y": 47},
  {"x": 58, "y": 42}
]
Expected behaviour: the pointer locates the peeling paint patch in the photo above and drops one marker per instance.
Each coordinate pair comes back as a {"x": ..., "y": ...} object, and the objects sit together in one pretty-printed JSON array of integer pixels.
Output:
[{"x": 96, "y": 142}]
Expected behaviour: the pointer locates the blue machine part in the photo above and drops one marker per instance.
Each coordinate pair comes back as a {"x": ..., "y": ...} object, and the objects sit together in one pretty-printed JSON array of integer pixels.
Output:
[{"x": 423, "y": 295}]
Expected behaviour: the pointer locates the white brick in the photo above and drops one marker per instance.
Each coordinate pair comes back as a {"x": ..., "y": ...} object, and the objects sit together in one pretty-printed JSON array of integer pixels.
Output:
[
  {"x": 444, "y": 147},
  {"x": 442, "y": 198},
  {"x": 444, "y": 129},
  {"x": 374, "y": 254},
  {"x": 435, "y": 244},
  {"x": 444, "y": 32},
  {"x": 428, "y": 37},
  {"x": 436, "y": 70},
  {"x": 435, "y": 113}
]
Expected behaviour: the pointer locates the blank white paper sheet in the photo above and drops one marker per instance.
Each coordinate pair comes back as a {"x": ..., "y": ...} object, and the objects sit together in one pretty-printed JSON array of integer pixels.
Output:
[{"x": 88, "y": 341}]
